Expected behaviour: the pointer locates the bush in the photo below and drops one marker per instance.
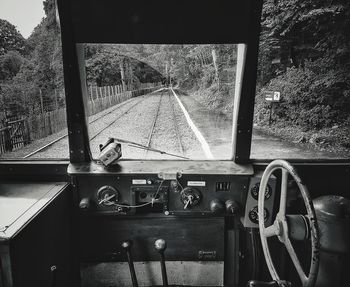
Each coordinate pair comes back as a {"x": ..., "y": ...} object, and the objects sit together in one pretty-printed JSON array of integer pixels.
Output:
[{"x": 314, "y": 96}]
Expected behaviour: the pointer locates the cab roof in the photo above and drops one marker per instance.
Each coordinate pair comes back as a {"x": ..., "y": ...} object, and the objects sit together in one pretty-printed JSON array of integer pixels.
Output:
[{"x": 160, "y": 21}]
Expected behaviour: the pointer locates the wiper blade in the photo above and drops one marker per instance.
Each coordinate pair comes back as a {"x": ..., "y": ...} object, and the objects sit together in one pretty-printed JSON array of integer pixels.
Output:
[{"x": 141, "y": 146}]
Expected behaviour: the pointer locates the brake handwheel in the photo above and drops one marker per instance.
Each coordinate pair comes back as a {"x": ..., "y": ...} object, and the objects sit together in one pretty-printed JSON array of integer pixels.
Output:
[{"x": 280, "y": 226}]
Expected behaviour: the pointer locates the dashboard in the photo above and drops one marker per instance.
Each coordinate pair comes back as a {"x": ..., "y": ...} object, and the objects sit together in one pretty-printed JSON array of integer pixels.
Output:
[
  {"x": 181, "y": 201},
  {"x": 171, "y": 189},
  {"x": 196, "y": 207}
]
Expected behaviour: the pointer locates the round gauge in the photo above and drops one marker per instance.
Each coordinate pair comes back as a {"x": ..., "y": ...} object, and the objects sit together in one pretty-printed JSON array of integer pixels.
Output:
[
  {"x": 254, "y": 217},
  {"x": 254, "y": 191},
  {"x": 107, "y": 195},
  {"x": 190, "y": 197}
]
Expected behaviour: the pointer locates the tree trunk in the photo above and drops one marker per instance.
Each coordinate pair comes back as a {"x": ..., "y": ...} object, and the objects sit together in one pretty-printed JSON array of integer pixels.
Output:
[
  {"x": 213, "y": 53},
  {"x": 41, "y": 101},
  {"x": 131, "y": 75},
  {"x": 166, "y": 73},
  {"x": 122, "y": 74}
]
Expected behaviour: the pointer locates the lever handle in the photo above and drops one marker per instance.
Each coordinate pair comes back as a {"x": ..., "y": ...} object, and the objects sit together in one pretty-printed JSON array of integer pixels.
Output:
[
  {"x": 126, "y": 245},
  {"x": 160, "y": 246}
]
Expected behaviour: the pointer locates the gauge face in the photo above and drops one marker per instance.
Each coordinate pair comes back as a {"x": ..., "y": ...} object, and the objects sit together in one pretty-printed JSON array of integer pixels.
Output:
[
  {"x": 254, "y": 191},
  {"x": 254, "y": 217},
  {"x": 190, "y": 197},
  {"x": 107, "y": 195}
]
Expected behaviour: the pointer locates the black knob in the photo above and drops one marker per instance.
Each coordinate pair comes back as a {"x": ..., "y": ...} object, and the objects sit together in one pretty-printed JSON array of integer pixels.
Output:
[
  {"x": 85, "y": 204},
  {"x": 160, "y": 245},
  {"x": 232, "y": 207},
  {"x": 217, "y": 206}
]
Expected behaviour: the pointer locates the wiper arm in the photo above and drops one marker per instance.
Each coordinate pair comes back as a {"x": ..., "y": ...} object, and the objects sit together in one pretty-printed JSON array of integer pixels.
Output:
[{"x": 141, "y": 146}]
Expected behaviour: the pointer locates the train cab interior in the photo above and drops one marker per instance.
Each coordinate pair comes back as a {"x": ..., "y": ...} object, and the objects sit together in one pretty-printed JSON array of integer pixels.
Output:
[{"x": 99, "y": 218}]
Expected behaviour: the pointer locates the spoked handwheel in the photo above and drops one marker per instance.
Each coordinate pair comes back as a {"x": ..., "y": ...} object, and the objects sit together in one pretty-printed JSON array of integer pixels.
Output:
[{"x": 281, "y": 227}]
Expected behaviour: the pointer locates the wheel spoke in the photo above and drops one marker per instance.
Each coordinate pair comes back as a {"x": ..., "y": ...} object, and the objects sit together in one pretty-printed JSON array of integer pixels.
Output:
[
  {"x": 284, "y": 187},
  {"x": 295, "y": 260}
]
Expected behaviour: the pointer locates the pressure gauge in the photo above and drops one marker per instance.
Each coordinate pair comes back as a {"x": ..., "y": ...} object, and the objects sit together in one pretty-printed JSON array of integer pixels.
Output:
[
  {"x": 190, "y": 197},
  {"x": 107, "y": 195},
  {"x": 254, "y": 191},
  {"x": 254, "y": 217}
]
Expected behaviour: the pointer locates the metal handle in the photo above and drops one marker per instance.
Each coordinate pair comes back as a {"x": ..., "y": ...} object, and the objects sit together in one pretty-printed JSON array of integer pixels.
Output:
[
  {"x": 160, "y": 246},
  {"x": 126, "y": 245}
]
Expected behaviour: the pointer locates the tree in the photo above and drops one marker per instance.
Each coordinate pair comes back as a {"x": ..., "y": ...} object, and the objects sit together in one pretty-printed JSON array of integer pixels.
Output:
[
  {"x": 10, "y": 39},
  {"x": 10, "y": 64}
]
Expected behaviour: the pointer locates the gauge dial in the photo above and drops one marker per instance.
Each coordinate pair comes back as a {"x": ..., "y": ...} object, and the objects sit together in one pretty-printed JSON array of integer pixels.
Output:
[
  {"x": 254, "y": 217},
  {"x": 107, "y": 195},
  {"x": 254, "y": 191},
  {"x": 190, "y": 197}
]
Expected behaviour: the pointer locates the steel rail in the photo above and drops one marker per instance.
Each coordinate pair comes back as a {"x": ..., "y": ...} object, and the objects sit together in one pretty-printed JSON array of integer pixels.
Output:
[
  {"x": 90, "y": 122},
  {"x": 153, "y": 124},
  {"x": 176, "y": 126}
]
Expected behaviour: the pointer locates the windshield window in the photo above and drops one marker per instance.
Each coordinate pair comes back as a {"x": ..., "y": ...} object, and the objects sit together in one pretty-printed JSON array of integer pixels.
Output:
[
  {"x": 302, "y": 107},
  {"x": 162, "y": 101},
  {"x": 32, "y": 99}
]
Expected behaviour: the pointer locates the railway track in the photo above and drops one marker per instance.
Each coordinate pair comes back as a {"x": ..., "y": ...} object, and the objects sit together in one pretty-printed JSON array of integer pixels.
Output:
[
  {"x": 174, "y": 121},
  {"x": 164, "y": 124},
  {"x": 153, "y": 125},
  {"x": 90, "y": 122},
  {"x": 176, "y": 128}
]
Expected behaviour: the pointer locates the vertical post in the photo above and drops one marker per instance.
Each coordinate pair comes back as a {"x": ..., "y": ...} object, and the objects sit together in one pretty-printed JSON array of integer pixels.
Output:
[
  {"x": 270, "y": 117},
  {"x": 56, "y": 99},
  {"x": 131, "y": 76},
  {"x": 213, "y": 53},
  {"x": 7, "y": 135},
  {"x": 91, "y": 94},
  {"x": 109, "y": 95},
  {"x": 122, "y": 74},
  {"x": 41, "y": 101}
]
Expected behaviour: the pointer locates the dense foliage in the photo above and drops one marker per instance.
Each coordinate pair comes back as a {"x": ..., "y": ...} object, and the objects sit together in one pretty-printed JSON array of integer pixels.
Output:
[
  {"x": 31, "y": 71},
  {"x": 10, "y": 38},
  {"x": 312, "y": 42},
  {"x": 120, "y": 64}
]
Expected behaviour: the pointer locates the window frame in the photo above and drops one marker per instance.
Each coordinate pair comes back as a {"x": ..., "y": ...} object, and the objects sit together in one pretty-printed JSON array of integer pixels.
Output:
[{"x": 76, "y": 89}]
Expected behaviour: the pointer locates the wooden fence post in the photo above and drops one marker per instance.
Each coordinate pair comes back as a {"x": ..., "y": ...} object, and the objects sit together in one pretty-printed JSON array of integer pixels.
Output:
[{"x": 109, "y": 95}]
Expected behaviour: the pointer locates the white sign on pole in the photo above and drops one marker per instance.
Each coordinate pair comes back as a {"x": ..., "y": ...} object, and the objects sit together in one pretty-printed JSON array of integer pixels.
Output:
[
  {"x": 276, "y": 96},
  {"x": 273, "y": 97}
]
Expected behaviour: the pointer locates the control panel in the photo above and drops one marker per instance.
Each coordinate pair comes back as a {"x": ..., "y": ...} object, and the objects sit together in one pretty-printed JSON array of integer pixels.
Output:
[
  {"x": 186, "y": 210},
  {"x": 170, "y": 195}
]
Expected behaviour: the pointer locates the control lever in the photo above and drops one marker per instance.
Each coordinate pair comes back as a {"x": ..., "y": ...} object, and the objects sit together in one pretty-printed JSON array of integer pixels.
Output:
[
  {"x": 189, "y": 201},
  {"x": 126, "y": 245},
  {"x": 160, "y": 246}
]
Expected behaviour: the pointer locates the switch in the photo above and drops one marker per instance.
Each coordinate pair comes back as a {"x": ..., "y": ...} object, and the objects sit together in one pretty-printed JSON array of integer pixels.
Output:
[
  {"x": 232, "y": 207},
  {"x": 217, "y": 206}
]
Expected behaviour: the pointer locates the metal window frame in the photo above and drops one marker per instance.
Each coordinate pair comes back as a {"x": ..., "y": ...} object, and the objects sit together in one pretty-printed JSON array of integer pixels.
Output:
[{"x": 75, "y": 87}]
